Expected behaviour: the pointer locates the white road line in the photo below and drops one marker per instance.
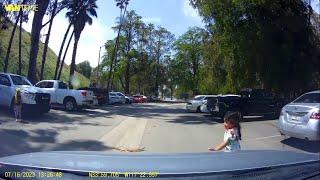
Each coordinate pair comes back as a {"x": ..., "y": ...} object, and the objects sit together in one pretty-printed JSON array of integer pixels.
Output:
[{"x": 259, "y": 138}]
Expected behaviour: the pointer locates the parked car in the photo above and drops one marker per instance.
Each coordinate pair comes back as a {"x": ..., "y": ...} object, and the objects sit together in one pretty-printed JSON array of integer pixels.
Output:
[
  {"x": 220, "y": 105},
  {"x": 203, "y": 107},
  {"x": 249, "y": 102},
  {"x": 100, "y": 93},
  {"x": 34, "y": 100},
  {"x": 301, "y": 117},
  {"x": 116, "y": 97},
  {"x": 194, "y": 105},
  {"x": 62, "y": 95},
  {"x": 154, "y": 98},
  {"x": 129, "y": 99},
  {"x": 140, "y": 99}
]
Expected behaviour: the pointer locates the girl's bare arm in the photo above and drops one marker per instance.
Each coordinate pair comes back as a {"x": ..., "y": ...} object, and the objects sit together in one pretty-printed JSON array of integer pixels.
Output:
[{"x": 222, "y": 145}]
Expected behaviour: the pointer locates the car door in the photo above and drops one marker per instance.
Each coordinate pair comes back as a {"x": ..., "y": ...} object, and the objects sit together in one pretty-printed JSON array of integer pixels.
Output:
[
  {"x": 256, "y": 102},
  {"x": 61, "y": 92},
  {"x": 47, "y": 86},
  {"x": 6, "y": 90},
  {"x": 112, "y": 98}
]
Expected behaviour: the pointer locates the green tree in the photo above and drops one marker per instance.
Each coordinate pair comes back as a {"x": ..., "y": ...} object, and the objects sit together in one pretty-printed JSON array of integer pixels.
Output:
[
  {"x": 189, "y": 58},
  {"x": 84, "y": 68},
  {"x": 255, "y": 41},
  {"x": 79, "y": 13}
]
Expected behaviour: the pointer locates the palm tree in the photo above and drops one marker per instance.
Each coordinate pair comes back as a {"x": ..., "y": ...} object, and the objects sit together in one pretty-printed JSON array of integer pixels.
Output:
[
  {"x": 61, "y": 50},
  {"x": 79, "y": 14},
  {"x": 35, "y": 38},
  {"x": 122, "y": 4},
  {"x": 64, "y": 56},
  {"x": 45, "y": 49}
]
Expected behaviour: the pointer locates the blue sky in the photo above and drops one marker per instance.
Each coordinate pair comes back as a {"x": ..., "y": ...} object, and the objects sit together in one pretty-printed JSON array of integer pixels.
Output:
[{"x": 175, "y": 15}]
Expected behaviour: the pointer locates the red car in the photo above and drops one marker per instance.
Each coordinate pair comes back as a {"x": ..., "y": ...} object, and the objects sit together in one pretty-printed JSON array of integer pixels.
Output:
[{"x": 139, "y": 99}]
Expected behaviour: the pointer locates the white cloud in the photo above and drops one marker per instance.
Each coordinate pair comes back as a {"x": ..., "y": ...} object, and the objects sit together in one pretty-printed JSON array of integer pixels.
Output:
[
  {"x": 154, "y": 20},
  {"x": 190, "y": 12},
  {"x": 92, "y": 37}
]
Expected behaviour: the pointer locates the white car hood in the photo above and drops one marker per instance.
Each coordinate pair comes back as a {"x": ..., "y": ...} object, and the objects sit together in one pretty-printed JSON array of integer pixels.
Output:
[{"x": 30, "y": 89}]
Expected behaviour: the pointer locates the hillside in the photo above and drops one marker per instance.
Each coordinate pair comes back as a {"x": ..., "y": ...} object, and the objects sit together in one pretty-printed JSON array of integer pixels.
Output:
[{"x": 14, "y": 55}]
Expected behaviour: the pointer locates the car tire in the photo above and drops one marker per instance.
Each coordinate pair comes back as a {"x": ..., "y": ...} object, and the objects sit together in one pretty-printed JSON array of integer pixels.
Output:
[
  {"x": 198, "y": 109},
  {"x": 70, "y": 104}
]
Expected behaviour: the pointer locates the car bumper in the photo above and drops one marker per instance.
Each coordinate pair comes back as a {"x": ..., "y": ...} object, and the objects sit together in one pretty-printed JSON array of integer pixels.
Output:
[
  {"x": 35, "y": 108},
  {"x": 190, "y": 107},
  {"x": 86, "y": 103},
  {"x": 310, "y": 131}
]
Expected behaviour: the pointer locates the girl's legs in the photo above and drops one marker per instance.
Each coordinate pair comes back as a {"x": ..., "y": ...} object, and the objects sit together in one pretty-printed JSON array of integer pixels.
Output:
[{"x": 18, "y": 112}]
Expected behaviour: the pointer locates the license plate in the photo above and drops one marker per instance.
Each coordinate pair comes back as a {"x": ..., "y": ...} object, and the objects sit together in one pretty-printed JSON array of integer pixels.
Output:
[{"x": 295, "y": 118}]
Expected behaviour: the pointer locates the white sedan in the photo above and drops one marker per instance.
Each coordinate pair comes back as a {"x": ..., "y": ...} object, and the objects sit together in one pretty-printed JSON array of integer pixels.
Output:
[{"x": 195, "y": 104}]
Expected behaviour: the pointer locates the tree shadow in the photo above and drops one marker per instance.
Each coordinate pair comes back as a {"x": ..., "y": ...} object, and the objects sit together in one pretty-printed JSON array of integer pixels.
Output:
[
  {"x": 21, "y": 141},
  {"x": 302, "y": 144}
]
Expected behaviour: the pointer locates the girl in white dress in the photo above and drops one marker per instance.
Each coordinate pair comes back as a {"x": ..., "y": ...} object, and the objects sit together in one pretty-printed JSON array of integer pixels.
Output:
[{"x": 232, "y": 134}]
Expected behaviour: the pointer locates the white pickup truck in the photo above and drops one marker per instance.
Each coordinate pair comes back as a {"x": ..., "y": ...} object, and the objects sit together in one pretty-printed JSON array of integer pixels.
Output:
[
  {"x": 62, "y": 95},
  {"x": 34, "y": 100}
]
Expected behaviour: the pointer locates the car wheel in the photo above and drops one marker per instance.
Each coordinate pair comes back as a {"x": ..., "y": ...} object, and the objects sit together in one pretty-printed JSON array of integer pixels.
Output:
[
  {"x": 198, "y": 109},
  {"x": 70, "y": 104}
]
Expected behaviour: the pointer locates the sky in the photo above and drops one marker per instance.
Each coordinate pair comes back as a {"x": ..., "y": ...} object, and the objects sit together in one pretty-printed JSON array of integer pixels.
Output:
[{"x": 175, "y": 15}]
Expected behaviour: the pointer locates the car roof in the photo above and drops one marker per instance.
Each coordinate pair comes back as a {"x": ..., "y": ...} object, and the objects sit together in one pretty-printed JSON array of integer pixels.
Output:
[
  {"x": 316, "y": 91},
  {"x": 11, "y": 74}
]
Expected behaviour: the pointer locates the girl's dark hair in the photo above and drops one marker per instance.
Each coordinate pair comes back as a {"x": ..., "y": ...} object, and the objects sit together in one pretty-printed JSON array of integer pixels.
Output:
[{"x": 235, "y": 118}]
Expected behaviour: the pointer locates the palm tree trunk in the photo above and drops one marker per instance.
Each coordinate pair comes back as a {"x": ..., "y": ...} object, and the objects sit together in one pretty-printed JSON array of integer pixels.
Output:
[
  {"x": 6, "y": 60},
  {"x": 60, "y": 52},
  {"x": 73, "y": 60},
  {"x": 64, "y": 56},
  {"x": 20, "y": 43},
  {"x": 45, "y": 49},
  {"x": 115, "y": 50},
  {"x": 35, "y": 38}
]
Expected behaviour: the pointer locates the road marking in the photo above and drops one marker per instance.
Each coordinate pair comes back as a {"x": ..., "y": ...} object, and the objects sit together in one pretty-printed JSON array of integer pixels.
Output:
[
  {"x": 127, "y": 135},
  {"x": 259, "y": 138}
]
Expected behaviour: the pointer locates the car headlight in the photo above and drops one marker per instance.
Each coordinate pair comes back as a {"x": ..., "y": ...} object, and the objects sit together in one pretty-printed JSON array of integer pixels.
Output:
[{"x": 30, "y": 96}]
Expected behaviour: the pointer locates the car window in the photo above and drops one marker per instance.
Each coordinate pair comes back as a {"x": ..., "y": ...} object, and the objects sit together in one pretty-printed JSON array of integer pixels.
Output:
[
  {"x": 309, "y": 98},
  {"x": 4, "y": 80},
  {"x": 41, "y": 84},
  {"x": 198, "y": 98},
  {"x": 19, "y": 80},
  {"x": 120, "y": 94},
  {"x": 112, "y": 94},
  {"x": 62, "y": 85},
  {"x": 49, "y": 85},
  {"x": 256, "y": 94}
]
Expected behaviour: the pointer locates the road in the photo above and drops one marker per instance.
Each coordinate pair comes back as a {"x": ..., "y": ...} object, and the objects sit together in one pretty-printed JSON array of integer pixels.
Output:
[{"x": 155, "y": 128}]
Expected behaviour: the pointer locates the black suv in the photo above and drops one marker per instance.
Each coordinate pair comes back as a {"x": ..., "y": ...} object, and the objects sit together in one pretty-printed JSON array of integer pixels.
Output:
[{"x": 249, "y": 102}]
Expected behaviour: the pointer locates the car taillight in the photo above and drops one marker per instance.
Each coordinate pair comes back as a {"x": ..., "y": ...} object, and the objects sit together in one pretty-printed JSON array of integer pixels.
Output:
[
  {"x": 84, "y": 93},
  {"x": 315, "y": 115}
]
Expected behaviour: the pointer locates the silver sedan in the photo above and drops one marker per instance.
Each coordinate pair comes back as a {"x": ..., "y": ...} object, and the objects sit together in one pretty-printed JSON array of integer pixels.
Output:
[{"x": 301, "y": 118}]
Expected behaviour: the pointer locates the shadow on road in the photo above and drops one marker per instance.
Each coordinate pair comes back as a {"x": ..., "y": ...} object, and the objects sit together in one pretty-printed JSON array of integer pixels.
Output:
[
  {"x": 21, "y": 141},
  {"x": 308, "y": 146}
]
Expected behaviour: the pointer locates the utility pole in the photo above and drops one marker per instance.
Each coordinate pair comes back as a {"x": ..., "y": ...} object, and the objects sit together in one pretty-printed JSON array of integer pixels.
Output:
[{"x": 98, "y": 66}]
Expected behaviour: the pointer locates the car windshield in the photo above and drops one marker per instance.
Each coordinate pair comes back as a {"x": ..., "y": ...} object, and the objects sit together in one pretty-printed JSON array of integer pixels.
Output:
[
  {"x": 309, "y": 98},
  {"x": 159, "y": 76},
  {"x": 19, "y": 80}
]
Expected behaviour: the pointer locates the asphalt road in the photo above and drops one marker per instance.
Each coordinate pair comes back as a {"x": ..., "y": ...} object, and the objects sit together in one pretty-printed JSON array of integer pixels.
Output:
[{"x": 156, "y": 128}]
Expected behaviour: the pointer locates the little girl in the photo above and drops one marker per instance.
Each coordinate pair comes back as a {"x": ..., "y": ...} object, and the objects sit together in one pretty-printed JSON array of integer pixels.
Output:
[
  {"x": 232, "y": 134},
  {"x": 18, "y": 105}
]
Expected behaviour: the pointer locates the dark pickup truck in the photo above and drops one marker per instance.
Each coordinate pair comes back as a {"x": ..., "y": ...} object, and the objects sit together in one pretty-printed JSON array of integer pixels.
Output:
[{"x": 248, "y": 102}]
